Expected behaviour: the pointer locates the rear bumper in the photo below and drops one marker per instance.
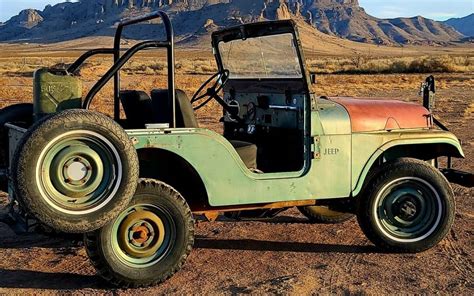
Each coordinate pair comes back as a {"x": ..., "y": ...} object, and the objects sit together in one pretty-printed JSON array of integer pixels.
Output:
[{"x": 459, "y": 177}]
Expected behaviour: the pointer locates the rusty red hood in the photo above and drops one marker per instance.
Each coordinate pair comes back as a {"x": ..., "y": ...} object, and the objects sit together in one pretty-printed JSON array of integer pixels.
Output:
[{"x": 383, "y": 114}]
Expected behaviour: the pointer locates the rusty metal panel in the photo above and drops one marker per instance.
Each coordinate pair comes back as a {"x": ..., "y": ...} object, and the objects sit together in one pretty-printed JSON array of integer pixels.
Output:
[{"x": 377, "y": 115}]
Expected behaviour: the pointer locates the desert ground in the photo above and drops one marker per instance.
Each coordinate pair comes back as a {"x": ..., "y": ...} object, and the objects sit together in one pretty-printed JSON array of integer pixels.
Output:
[{"x": 286, "y": 255}]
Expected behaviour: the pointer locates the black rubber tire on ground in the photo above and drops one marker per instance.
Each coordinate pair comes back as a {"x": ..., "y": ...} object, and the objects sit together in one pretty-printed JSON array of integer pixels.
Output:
[
  {"x": 324, "y": 215},
  {"x": 110, "y": 262},
  {"x": 89, "y": 207},
  {"x": 414, "y": 179},
  {"x": 13, "y": 113}
]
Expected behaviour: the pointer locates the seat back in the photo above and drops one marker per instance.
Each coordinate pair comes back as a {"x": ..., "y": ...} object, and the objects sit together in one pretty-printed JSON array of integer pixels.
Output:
[
  {"x": 138, "y": 108},
  {"x": 184, "y": 111}
]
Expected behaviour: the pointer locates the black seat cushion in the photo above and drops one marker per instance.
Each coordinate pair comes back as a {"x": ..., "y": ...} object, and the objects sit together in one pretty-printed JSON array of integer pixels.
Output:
[
  {"x": 138, "y": 108},
  {"x": 184, "y": 111}
]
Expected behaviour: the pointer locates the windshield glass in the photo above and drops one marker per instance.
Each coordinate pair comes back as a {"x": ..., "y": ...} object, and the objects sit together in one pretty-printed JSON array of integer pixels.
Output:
[{"x": 271, "y": 56}]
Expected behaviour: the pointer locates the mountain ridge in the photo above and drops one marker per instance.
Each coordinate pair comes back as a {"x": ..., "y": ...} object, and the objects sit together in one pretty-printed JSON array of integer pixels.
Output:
[
  {"x": 465, "y": 25},
  {"x": 339, "y": 18}
]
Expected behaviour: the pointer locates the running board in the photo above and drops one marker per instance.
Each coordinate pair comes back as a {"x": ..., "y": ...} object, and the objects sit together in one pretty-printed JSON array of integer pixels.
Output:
[{"x": 459, "y": 177}]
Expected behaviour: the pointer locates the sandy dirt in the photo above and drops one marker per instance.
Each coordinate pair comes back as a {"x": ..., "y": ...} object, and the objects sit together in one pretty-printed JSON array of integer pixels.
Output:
[{"x": 285, "y": 255}]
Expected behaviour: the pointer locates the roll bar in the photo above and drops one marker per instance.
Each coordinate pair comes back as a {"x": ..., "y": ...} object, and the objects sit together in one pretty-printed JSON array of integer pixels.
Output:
[{"x": 120, "y": 60}]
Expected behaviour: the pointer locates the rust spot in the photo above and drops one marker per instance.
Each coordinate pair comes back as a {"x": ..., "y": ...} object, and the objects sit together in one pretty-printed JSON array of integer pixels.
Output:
[
  {"x": 135, "y": 141},
  {"x": 374, "y": 115}
]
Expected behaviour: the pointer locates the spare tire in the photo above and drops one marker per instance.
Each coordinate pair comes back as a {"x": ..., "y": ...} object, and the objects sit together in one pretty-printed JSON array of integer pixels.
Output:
[
  {"x": 75, "y": 171},
  {"x": 14, "y": 113}
]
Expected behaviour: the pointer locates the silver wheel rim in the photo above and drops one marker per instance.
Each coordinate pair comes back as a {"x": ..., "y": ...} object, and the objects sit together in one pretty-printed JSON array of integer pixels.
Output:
[
  {"x": 49, "y": 191},
  {"x": 388, "y": 229}
]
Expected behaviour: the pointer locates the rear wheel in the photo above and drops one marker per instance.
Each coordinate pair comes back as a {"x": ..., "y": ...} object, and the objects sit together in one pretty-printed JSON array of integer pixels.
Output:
[
  {"x": 324, "y": 215},
  {"x": 14, "y": 113},
  {"x": 75, "y": 171},
  {"x": 148, "y": 242},
  {"x": 409, "y": 207}
]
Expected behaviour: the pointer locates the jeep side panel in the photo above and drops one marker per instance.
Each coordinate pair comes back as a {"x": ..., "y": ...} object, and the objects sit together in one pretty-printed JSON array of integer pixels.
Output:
[{"x": 229, "y": 182}]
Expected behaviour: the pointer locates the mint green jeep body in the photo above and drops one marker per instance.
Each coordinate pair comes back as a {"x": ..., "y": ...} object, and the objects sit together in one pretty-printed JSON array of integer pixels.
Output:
[{"x": 135, "y": 185}]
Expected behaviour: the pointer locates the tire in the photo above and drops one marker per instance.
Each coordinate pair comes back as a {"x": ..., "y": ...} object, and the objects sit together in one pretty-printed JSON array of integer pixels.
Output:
[
  {"x": 409, "y": 207},
  {"x": 113, "y": 249},
  {"x": 324, "y": 215},
  {"x": 75, "y": 171},
  {"x": 13, "y": 113}
]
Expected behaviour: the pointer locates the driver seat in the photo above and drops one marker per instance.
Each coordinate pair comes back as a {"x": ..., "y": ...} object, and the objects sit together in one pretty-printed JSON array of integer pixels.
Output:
[{"x": 185, "y": 118}]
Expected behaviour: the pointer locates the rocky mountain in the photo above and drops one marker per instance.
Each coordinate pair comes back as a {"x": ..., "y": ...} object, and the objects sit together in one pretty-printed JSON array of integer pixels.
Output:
[
  {"x": 196, "y": 18},
  {"x": 464, "y": 25},
  {"x": 345, "y": 18}
]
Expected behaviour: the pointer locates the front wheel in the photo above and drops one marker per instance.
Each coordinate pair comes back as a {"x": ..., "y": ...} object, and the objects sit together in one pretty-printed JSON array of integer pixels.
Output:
[
  {"x": 409, "y": 207},
  {"x": 148, "y": 242}
]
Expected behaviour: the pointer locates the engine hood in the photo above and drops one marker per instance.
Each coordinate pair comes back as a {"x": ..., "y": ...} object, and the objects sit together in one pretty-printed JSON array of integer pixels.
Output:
[{"x": 377, "y": 115}]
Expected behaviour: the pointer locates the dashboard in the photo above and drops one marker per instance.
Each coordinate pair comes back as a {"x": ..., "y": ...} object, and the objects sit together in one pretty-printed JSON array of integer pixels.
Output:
[{"x": 266, "y": 104}]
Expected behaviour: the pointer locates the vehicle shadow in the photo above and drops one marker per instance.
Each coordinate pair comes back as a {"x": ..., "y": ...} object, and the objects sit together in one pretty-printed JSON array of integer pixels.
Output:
[
  {"x": 275, "y": 246},
  {"x": 34, "y": 240},
  {"x": 29, "y": 279}
]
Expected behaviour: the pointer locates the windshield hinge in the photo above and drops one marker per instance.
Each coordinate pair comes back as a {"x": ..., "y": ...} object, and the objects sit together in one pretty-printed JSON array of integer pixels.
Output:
[{"x": 316, "y": 148}]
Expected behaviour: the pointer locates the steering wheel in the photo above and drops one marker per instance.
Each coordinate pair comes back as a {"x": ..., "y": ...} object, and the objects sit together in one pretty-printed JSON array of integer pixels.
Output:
[{"x": 219, "y": 79}]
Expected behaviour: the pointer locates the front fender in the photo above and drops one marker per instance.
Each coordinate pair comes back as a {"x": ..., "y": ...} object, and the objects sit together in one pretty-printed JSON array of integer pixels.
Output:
[{"x": 423, "y": 145}]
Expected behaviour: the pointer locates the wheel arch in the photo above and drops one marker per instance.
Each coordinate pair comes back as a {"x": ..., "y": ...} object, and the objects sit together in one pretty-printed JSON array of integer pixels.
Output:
[
  {"x": 172, "y": 169},
  {"x": 422, "y": 149}
]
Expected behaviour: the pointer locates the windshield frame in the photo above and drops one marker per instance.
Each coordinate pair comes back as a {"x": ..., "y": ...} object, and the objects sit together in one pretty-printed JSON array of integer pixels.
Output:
[{"x": 255, "y": 30}]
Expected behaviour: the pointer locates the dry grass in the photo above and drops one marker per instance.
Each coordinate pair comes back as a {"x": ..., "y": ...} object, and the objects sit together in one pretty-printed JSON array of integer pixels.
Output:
[
  {"x": 359, "y": 64},
  {"x": 150, "y": 72}
]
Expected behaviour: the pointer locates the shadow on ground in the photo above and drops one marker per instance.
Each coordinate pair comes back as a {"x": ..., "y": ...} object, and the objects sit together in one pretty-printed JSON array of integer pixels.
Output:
[
  {"x": 29, "y": 279},
  {"x": 275, "y": 246}
]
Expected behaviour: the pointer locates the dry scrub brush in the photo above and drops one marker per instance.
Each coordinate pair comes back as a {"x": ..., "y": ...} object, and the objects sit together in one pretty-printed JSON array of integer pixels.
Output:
[{"x": 360, "y": 64}]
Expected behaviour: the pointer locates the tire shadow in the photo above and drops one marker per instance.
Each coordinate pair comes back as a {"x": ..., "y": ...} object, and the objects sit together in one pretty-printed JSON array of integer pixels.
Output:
[
  {"x": 275, "y": 246},
  {"x": 29, "y": 279}
]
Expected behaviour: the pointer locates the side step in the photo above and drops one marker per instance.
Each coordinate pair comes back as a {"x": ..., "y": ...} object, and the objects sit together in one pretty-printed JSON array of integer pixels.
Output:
[{"x": 459, "y": 177}]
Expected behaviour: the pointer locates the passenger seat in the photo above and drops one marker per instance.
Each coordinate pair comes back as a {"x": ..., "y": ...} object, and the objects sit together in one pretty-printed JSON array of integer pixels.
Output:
[{"x": 140, "y": 109}]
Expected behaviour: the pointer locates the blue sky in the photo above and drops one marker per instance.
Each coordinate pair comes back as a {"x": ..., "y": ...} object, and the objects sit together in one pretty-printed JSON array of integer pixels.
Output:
[{"x": 435, "y": 9}]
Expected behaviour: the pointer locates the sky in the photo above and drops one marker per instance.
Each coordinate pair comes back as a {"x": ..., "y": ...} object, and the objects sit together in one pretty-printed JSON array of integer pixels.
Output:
[{"x": 434, "y": 9}]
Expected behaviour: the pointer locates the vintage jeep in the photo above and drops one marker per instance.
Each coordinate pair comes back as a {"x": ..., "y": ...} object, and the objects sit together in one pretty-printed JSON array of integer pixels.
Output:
[{"x": 135, "y": 184}]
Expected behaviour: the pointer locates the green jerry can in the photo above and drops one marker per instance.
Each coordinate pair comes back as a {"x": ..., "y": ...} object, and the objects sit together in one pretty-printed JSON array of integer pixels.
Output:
[{"x": 54, "y": 91}]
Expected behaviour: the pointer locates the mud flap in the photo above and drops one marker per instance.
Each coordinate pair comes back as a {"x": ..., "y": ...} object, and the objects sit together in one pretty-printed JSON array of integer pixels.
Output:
[{"x": 459, "y": 177}]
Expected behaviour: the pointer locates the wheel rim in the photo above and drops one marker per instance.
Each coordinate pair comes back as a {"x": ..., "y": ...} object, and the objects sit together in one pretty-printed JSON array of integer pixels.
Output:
[
  {"x": 79, "y": 172},
  {"x": 143, "y": 235},
  {"x": 408, "y": 209}
]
